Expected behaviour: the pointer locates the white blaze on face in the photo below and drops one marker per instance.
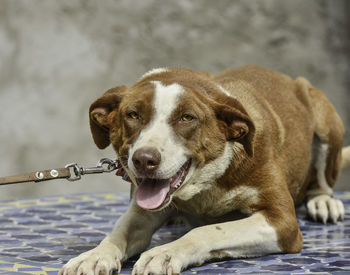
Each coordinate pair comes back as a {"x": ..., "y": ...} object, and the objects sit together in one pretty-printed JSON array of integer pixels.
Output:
[
  {"x": 154, "y": 71},
  {"x": 159, "y": 133}
]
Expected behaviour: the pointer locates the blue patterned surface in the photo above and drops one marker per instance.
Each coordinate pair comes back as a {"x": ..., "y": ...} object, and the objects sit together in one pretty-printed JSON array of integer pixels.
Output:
[{"x": 38, "y": 236}]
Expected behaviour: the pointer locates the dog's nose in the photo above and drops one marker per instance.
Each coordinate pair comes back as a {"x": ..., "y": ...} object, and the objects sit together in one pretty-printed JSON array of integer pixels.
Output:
[{"x": 146, "y": 159}]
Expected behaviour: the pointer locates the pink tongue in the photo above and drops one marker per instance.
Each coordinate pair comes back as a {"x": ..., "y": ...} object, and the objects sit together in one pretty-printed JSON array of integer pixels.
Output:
[{"x": 152, "y": 193}]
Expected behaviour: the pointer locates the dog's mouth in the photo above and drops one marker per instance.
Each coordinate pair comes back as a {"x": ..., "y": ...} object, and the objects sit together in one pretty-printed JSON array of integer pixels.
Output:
[{"x": 153, "y": 194}]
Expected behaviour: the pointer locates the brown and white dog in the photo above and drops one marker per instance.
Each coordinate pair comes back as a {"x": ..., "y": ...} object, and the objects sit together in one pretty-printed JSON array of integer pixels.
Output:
[{"x": 234, "y": 153}]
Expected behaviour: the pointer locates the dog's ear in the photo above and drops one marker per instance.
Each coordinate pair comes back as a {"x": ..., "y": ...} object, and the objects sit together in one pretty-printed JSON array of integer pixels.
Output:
[
  {"x": 235, "y": 123},
  {"x": 100, "y": 119}
]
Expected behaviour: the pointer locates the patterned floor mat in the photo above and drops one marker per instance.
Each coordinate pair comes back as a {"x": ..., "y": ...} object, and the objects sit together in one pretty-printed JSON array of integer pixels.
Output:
[{"x": 39, "y": 236}]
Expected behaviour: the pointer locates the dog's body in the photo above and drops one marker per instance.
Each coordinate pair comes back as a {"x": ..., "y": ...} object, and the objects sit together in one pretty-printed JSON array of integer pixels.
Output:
[{"x": 234, "y": 153}]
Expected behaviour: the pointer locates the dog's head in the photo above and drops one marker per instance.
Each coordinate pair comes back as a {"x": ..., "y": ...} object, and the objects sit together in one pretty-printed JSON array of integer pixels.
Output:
[{"x": 170, "y": 131}]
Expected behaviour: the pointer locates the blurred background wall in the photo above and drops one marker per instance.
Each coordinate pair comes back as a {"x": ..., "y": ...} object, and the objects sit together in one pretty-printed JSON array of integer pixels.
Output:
[{"x": 56, "y": 57}]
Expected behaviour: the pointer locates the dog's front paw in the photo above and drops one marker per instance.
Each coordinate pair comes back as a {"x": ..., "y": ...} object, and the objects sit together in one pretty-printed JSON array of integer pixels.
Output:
[
  {"x": 323, "y": 208},
  {"x": 101, "y": 260},
  {"x": 165, "y": 259}
]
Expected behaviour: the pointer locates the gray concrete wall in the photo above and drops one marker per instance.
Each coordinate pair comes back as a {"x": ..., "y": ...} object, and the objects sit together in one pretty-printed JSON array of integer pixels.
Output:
[{"x": 56, "y": 57}]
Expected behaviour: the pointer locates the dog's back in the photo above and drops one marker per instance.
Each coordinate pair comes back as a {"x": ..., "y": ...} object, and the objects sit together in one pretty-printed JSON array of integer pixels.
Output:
[{"x": 292, "y": 118}]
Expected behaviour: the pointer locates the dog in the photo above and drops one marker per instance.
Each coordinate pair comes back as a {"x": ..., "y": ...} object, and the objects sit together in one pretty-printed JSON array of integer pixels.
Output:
[{"x": 233, "y": 153}]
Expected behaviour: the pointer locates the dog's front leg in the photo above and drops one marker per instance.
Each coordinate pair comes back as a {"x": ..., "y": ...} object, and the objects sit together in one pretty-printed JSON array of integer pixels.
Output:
[
  {"x": 131, "y": 235},
  {"x": 252, "y": 236}
]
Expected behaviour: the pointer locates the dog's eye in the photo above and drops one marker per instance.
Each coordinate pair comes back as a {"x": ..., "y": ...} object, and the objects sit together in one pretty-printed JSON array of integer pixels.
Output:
[
  {"x": 133, "y": 115},
  {"x": 186, "y": 117}
]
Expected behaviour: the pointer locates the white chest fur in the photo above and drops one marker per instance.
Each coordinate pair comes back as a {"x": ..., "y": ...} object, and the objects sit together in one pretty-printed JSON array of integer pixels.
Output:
[{"x": 215, "y": 202}]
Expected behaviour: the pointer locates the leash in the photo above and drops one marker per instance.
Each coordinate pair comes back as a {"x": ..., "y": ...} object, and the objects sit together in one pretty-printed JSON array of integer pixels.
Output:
[{"x": 71, "y": 172}]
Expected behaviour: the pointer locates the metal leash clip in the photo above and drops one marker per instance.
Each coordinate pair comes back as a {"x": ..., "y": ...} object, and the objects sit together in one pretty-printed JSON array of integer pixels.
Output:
[{"x": 104, "y": 165}]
